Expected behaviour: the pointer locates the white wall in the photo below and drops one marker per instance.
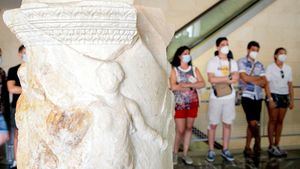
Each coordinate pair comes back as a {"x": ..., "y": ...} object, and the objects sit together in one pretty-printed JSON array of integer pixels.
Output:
[
  {"x": 179, "y": 12},
  {"x": 276, "y": 26},
  {"x": 9, "y": 45}
]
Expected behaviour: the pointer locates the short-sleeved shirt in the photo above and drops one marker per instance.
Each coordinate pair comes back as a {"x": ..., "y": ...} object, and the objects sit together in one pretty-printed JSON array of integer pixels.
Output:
[
  {"x": 13, "y": 75},
  {"x": 278, "y": 78},
  {"x": 220, "y": 68},
  {"x": 251, "y": 90}
]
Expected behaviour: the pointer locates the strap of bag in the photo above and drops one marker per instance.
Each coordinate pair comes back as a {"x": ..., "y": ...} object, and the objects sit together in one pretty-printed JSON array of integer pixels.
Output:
[
  {"x": 229, "y": 60},
  {"x": 252, "y": 69}
]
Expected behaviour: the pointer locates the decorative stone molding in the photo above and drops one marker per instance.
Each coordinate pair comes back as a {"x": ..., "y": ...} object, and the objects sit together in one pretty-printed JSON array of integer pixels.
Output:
[
  {"x": 103, "y": 23},
  {"x": 95, "y": 87}
]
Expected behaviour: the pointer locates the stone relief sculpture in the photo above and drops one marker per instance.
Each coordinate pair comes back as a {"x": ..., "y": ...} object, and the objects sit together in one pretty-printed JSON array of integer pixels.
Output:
[{"x": 95, "y": 87}]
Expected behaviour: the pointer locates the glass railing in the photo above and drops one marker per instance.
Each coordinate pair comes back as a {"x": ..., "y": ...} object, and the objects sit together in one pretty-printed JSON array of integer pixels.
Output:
[
  {"x": 207, "y": 23},
  {"x": 291, "y": 126}
]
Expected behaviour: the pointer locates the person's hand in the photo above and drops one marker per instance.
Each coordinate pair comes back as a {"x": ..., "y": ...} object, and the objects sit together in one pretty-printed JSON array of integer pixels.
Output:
[
  {"x": 185, "y": 85},
  {"x": 291, "y": 106},
  {"x": 229, "y": 81},
  {"x": 272, "y": 104}
]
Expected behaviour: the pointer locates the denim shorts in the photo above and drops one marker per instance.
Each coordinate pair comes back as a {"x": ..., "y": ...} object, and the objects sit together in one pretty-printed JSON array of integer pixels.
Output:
[{"x": 3, "y": 126}]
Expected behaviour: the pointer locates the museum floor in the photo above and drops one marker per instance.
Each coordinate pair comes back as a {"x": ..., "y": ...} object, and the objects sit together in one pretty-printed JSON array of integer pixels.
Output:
[
  {"x": 292, "y": 161},
  {"x": 198, "y": 153}
]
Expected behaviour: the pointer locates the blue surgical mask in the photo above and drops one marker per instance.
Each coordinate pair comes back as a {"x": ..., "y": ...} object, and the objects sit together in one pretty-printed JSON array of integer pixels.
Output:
[
  {"x": 186, "y": 58},
  {"x": 24, "y": 58}
]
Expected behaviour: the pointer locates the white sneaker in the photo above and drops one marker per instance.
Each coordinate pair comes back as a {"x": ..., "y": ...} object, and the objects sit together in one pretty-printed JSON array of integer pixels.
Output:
[
  {"x": 283, "y": 152},
  {"x": 273, "y": 151},
  {"x": 187, "y": 159},
  {"x": 14, "y": 164},
  {"x": 175, "y": 159}
]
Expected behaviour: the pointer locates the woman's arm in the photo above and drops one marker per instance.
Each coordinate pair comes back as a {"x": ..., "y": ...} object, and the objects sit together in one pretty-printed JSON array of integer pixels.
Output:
[
  {"x": 173, "y": 82},
  {"x": 200, "y": 81},
  {"x": 291, "y": 94},
  {"x": 270, "y": 100}
]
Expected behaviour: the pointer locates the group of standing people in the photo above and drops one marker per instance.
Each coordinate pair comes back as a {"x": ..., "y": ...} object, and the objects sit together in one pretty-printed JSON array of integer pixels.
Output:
[
  {"x": 223, "y": 72},
  {"x": 10, "y": 84}
]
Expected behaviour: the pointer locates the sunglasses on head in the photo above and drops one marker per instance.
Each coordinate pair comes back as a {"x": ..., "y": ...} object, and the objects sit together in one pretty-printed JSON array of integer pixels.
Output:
[{"x": 282, "y": 74}]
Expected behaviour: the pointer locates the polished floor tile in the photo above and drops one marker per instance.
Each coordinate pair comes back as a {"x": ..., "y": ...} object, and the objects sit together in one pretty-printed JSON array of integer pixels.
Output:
[{"x": 292, "y": 161}]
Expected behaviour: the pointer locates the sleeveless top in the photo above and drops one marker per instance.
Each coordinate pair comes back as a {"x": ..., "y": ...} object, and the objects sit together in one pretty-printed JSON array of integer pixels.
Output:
[{"x": 185, "y": 100}]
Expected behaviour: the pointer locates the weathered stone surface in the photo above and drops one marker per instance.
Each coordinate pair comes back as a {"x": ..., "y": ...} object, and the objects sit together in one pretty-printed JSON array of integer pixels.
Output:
[{"x": 95, "y": 87}]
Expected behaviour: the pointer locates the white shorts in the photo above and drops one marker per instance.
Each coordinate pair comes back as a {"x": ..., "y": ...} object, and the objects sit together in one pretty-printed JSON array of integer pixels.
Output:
[{"x": 221, "y": 109}]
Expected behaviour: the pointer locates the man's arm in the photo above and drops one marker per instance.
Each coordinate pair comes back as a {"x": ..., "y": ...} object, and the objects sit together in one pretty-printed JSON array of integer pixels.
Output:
[{"x": 12, "y": 88}]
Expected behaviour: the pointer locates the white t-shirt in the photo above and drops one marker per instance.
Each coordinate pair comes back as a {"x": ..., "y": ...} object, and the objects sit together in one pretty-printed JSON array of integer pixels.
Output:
[
  {"x": 220, "y": 68},
  {"x": 279, "y": 78}
]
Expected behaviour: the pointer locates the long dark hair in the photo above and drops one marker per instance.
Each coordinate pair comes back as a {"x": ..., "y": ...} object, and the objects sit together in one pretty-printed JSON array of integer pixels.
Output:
[
  {"x": 218, "y": 42},
  {"x": 176, "y": 60}
]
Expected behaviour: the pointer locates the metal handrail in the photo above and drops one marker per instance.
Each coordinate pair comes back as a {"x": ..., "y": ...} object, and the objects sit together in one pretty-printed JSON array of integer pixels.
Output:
[{"x": 215, "y": 28}]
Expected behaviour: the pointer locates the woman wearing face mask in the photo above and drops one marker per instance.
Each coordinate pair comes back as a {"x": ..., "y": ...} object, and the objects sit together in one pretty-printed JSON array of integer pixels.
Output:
[
  {"x": 252, "y": 81},
  {"x": 184, "y": 81},
  {"x": 221, "y": 69},
  {"x": 280, "y": 96}
]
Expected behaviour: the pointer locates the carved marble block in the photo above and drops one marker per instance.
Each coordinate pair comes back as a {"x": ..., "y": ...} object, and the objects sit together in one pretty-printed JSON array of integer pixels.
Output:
[{"x": 95, "y": 87}]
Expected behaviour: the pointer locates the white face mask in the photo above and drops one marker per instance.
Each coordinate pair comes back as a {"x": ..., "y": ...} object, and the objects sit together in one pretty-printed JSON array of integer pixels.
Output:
[
  {"x": 253, "y": 54},
  {"x": 24, "y": 58},
  {"x": 186, "y": 58},
  {"x": 282, "y": 57},
  {"x": 225, "y": 50}
]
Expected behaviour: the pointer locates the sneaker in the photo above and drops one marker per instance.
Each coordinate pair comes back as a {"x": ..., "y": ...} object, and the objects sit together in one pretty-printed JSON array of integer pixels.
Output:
[
  {"x": 175, "y": 159},
  {"x": 248, "y": 152},
  {"x": 283, "y": 152},
  {"x": 257, "y": 149},
  {"x": 14, "y": 164},
  {"x": 273, "y": 151},
  {"x": 211, "y": 156},
  {"x": 187, "y": 160},
  {"x": 227, "y": 155}
]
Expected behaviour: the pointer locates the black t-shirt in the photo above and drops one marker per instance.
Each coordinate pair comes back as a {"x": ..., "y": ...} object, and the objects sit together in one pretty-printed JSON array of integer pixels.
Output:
[{"x": 13, "y": 75}]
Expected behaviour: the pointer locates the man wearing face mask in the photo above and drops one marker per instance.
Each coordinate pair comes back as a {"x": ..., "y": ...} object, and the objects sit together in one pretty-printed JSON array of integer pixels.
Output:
[
  {"x": 252, "y": 81},
  {"x": 14, "y": 87},
  {"x": 4, "y": 105},
  {"x": 280, "y": 97}
]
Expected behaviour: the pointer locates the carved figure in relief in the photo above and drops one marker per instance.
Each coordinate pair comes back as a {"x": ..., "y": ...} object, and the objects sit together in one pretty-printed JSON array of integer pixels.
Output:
[{"x": 117, "y": 118}]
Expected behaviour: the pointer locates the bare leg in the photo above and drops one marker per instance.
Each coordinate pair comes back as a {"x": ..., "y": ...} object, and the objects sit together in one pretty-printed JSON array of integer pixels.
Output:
[
  {"x": 3, "y": 138},
  {"x": 180, "y": 130},
  {"x": 188, "y": 135},
  {"x": 211, "y": 136},
  {"x": 273, "y": 115},
  {"x": 279, "y": 123},
  {"x": 248, "y": 137},
  {"x": 226, "y": 135},
  {"x": 16, "y": 143}
]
